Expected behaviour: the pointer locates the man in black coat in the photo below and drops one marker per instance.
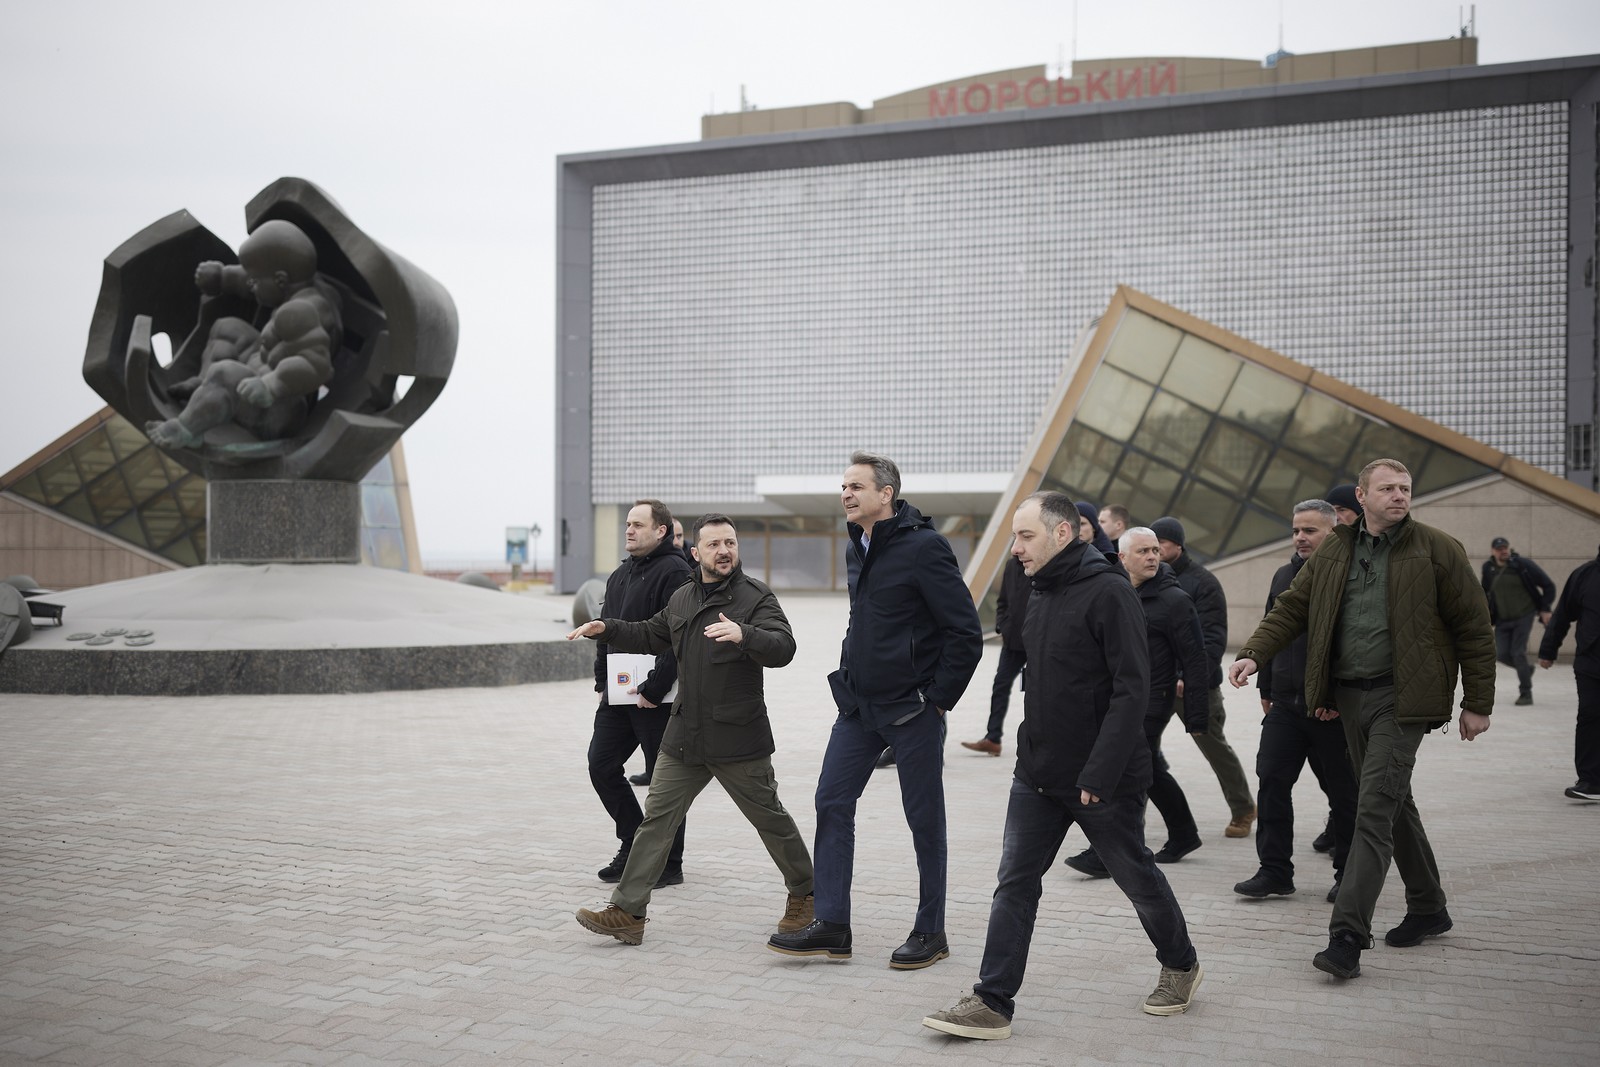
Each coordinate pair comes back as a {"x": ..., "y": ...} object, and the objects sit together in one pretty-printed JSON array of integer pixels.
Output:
[
  {"x": 913, "y": 642},
  {"x": 1206, "y": 592},
  {"x": 635, "y": 591},
  {"x": 1010, "y": 612},
  {"x": 1518, "y": 589},
  {"x": 1292, "y": 736},
  {"x": 1081, "y": 758},
  {"x": 1172, "y": 631},
  {"x": 1580, "y": 603}
]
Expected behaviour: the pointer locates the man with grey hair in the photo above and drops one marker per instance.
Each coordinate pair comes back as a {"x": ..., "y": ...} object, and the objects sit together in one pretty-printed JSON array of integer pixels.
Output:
[
  {"x": 1082, "y": 759},
  {"x": 913, "y": 641},
  {"x": 1292, "y": 736}
]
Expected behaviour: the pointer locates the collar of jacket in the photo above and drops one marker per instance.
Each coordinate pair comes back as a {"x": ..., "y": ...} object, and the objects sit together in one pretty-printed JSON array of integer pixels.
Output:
[
  {"x": 723, "y": 586},
  {"x": 1180, "y": 564},
  {"x": 905, "y": 517},
  {"x": 1398, "y": 534},
  {"x": 1165, "y": 578},
  {"x": 1072, "y": 564},
  {"x": 664, "y": 547}
]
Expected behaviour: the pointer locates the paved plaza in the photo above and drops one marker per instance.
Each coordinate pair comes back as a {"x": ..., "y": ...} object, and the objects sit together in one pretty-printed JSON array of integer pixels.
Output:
[{"x": 390, "y": 878}]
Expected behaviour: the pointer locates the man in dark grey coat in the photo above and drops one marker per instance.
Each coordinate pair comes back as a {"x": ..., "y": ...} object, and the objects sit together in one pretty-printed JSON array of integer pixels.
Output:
[
  {"x": 726, "y": 627},
  {"x": 1081, "y": 758}
]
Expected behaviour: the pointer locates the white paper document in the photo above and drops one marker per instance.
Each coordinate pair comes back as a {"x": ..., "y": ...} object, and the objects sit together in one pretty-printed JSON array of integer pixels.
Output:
[{"x": 624, "y": 671}]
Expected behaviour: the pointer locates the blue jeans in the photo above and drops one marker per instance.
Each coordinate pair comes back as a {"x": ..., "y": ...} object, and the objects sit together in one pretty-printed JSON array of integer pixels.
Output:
[
  {"x": 847, "y": 766},
  {"x": 1035, "y": 827}
]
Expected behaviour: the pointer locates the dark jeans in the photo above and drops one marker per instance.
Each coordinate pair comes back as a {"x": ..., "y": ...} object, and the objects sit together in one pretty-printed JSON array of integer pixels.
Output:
[
  {"x": 1035, "y": 827},
  {"x": 1383, "y": 754},
  {"x": 1587, "y": 749},
  {"x": 1012, "y": 663},
  {"x": 846, "y": 768},
  {"x": 618, "y": 730},
  {"x": 1511, "y": 648},
  {"x": 1165, "y": 792},
  {"x": 1289, "y": 740}
]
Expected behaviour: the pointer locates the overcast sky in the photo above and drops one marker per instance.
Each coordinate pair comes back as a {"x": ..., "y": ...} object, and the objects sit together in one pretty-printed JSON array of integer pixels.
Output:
[{"x": 437, "y": 126}]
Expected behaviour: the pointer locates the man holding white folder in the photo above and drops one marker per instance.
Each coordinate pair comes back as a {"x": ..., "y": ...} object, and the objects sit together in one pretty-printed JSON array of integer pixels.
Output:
[
  {"x": 635, "y": 715},
  {"x": 728, "y": 628}
]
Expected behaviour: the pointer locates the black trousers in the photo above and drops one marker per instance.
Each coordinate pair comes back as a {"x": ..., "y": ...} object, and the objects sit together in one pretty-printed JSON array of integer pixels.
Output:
[
  {"x": 619, "y": 729},
  {"x": 1165, "y": 792},
  {"x": 1587, "y": 748},
  {"x": 1289, "y": 740},
  {"x": 1012, "y": 663}
]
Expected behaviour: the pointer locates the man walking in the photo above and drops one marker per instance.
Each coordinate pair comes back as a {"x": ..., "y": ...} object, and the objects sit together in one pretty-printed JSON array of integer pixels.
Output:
[
  {"x": 1391, "y": 614},
  {"x": 913, "y": 641},
  {"x": 727, "y": 627},
  {"x": 1081, "y": 758},
  {"x": 1172, "y": 634},
  {"x": 1517, "y": 589},
  {"x": 1580, "y": 604},
  {"x": 1010, "y": 612},
  {"x": 1209, "y": 601},
  {"x": 1291, "y": 737},
  {"x": 635, "y": 591}
]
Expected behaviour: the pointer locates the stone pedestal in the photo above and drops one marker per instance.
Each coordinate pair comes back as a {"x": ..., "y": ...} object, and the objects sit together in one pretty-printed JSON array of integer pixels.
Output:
[{"x": 283, "y": 522}]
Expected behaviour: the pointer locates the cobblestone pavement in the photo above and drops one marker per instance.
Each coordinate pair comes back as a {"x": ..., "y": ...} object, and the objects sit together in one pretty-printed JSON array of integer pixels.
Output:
[{"x": 390, "y": 878}]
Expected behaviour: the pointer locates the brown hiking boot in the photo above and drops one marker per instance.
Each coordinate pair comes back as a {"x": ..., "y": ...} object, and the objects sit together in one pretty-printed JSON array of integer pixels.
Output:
[
  {"x": 614, "y": 922},
  {"x": 1240, "y": 826},
  {"x": 797, "y": 915}
]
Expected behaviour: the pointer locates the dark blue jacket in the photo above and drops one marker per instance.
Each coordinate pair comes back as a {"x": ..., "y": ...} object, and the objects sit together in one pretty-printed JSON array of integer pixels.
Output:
[{"x": 914, "y": 635}]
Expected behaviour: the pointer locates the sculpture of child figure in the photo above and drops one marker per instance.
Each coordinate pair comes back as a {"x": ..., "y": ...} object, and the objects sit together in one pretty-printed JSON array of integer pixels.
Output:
[{"x": 260, "y": 379}]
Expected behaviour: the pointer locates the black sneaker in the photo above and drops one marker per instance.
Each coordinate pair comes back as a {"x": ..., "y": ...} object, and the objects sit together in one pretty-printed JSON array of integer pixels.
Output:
[
  {"x": 1413, "y": 928},
  {"x": 1581, "y": 790},
  {"x": 612, "y": 872},
  {"x": 670, "y": 876},
  {"x": 1172, "y": 853},
  {"x": 1342, "y": 957},
  {"x": 1262, "y": 884},
  {"x": 1324, "y": 840},
  {"x": 1088, "y": 862},
  {"x": 821, "y": 938},
  {"x": 920, "y": 950},
  {"x": 1524, "y": 700}
]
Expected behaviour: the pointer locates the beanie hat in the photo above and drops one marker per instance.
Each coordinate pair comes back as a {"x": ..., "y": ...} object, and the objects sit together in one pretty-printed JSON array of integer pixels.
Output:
[
  {"x": 1167, "y": 528},
  {"x": 1344, "y": 496}
]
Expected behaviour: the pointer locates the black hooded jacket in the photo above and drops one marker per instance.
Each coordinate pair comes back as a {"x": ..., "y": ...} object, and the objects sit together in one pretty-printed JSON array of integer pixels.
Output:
[
  {"x": 1088, "y": 681},
  {"x": 1177, "y": 649},
  {"x": 1212, "y": 607},
  {"x": 634, "y": 592},
  {"x": 1579, "y": 603},
  {"x": 1282, "y": 679},
  {"x": 914, "y": 637},
  {"x": 1011, "y": 608}
]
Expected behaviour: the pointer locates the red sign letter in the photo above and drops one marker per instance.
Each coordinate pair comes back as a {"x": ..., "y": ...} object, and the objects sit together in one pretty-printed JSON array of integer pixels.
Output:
[
  {"x": 1007, "y": 93},
  {"x": 1122, "y": 83},
  {"x": 1065, "y": 94},
  {"x": 966, "y": 99},
  {"x": 1044, "y": 93},
  {"x": 1163, "y": 79},
  {"x": 938, "y": 108},
  {"x": 1096, "y": 83}
]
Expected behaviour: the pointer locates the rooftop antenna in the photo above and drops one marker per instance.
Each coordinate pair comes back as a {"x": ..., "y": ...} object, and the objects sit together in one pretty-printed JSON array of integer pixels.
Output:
[
  {"x": 1074, "y": 31},
  {"x": 1468, "y": 21}
]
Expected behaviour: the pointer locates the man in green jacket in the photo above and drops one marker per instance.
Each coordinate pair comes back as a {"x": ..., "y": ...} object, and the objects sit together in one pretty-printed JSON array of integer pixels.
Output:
[
  {"x": 1391, "y": 611},
  {"x": 724, "y": 627}
]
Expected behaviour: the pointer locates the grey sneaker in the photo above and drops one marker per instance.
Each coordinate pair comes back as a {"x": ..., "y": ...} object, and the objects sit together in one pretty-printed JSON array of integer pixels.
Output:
[
  {"x": 1174, "y": 991},
  {"x": 970, "y": 1018}
]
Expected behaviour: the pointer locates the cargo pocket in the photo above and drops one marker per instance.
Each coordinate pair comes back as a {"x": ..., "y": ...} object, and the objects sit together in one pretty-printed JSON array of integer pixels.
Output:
[{"x": 1396, "y": 781}]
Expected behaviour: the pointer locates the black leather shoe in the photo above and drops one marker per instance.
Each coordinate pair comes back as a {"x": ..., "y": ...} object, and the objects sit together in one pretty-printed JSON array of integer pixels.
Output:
[
  {"x": 1262, "y": 884},
  {"x": 1342, "y": 957},
  {"x": 1172, "y": 853},
  {"x": 821, "y": 938},
  {"x": 612, "y": 872},
  {"x": 1088, "y": 862},
  {"x": 1413, "y": 928},
  {"x": 886, "y": 758},
  {"x": 920, "y": 950},
  {"x": 639, "y": 779},
  {"x": 670, "y": 876}
]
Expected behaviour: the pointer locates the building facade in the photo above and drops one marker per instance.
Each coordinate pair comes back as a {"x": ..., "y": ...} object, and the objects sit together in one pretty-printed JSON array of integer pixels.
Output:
[{"x": 736, "y": 316}]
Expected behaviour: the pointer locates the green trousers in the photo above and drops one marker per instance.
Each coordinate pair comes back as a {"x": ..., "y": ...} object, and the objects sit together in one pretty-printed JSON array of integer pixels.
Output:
[
  {"x": 1383, "y": 754},
  {"x": 754, "y": 790},
  {"x": 1224, "y": 761}
]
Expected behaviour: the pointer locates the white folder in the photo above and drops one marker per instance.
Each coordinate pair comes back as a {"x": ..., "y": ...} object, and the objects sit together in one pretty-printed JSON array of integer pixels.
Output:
[{"x": 624, "y": 671}]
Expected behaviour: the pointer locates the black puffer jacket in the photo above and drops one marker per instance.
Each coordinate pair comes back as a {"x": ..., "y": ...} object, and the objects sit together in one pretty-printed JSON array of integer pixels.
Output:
[
  {"x": 914, "y": 633},
  {"x": 720, "y": 715},
  {"x": 635, "y": 591},
  {"x": 1212, "y": 607},
  {"x": 1579, "y": 603},
  {"x": 1282, "y": 679},
  {"x": 1176, "y": 649},
  {"x": 1088, "y": 681}
]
